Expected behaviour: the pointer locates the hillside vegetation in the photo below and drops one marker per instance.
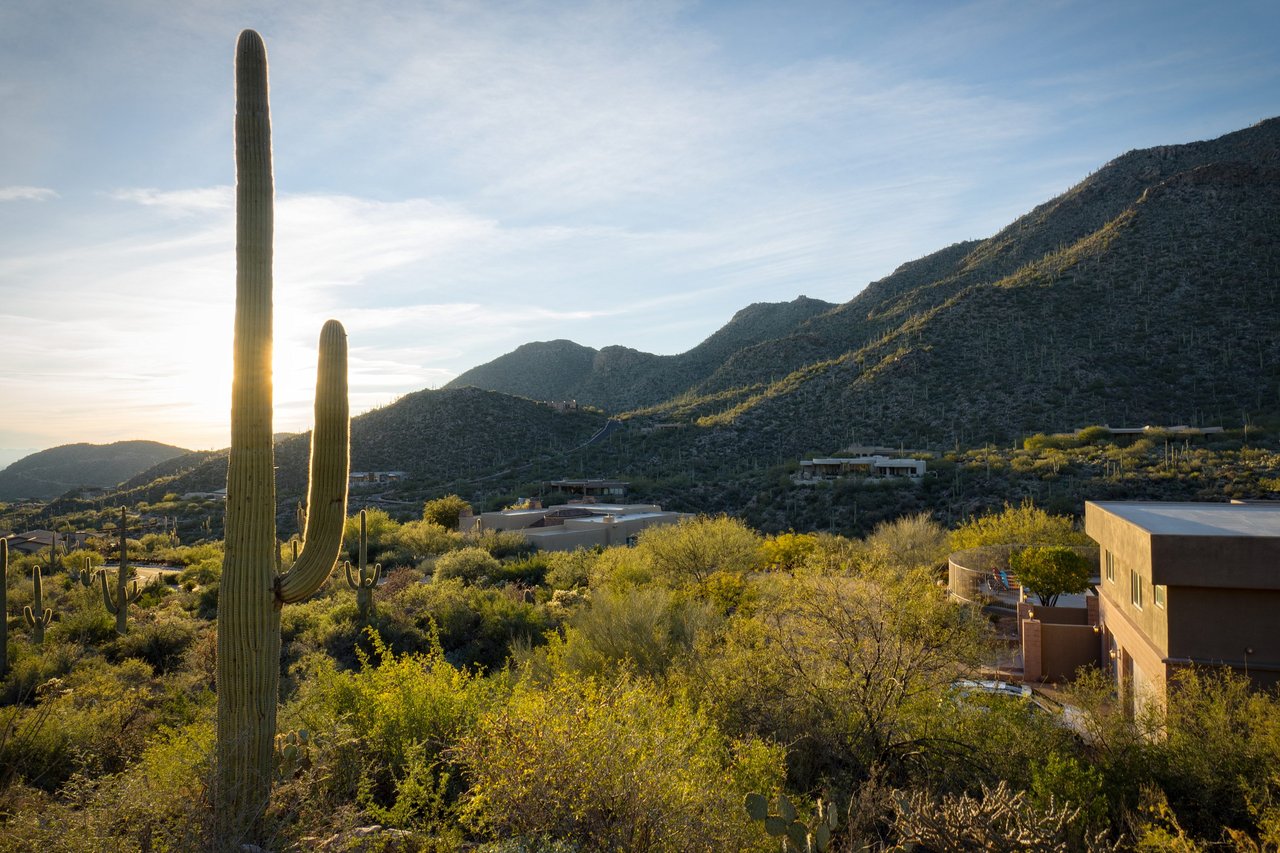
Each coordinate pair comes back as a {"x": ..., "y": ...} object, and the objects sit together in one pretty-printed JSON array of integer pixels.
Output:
[{"x": 52, "y": 472}]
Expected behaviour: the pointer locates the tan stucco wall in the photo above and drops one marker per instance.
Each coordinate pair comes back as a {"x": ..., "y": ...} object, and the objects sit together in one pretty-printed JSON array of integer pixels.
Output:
[
  {"x": 1219, "y": 624},
  {"x": 1066, "y": 648},
  {"x": 1130, "y": 640}
]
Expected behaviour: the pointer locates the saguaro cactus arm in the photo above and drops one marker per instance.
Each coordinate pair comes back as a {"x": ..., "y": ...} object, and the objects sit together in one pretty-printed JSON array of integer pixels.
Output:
[
  {"x": 36, "y": 615},
  {"x": 327, "y": 486}
]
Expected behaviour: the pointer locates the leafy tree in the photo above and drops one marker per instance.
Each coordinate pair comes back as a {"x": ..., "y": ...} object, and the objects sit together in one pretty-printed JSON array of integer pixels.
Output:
[
  {"x": 695, "y": 548},
  {"x": 1048, "y": 571},
  {"x": 786, "y": 551},
  {"x": 909, "y": 542},
  {"x": 1024, "y": 524},
  {"x": 445, "y": 511}
]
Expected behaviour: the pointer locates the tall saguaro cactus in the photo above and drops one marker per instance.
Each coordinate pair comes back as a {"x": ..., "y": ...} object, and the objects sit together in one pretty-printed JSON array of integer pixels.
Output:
[
  {"x": 118, "y": 606},
  {"x": 365, "y": 578},
  {"x": 251, "y": 593},
  {"x": 37, "y": 615}
]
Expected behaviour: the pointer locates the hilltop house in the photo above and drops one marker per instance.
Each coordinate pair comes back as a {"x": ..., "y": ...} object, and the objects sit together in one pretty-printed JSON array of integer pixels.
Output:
[
  {"x": 590, "y": 488},
  {"x": 1186, "y": 584},
  {"x": 567, "y": 527},
  {"x": 817, "y": 470}
]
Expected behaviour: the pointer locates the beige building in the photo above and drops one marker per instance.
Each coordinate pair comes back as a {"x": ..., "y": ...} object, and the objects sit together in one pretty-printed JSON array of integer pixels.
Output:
[
  {"x": 570, "y": 526},
  {"x": 1187, "y": 584}
]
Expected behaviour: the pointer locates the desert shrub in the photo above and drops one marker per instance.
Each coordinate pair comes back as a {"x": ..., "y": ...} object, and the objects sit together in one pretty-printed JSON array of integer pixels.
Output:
[
  {"x": 161, "y": 642},
  {"x": 693, "y": 549},
  {"x": 618, "y": 767},
  {"x": 529, "y": 571},
  {"x": 404, "y": 713},
  {"x": 471, "y": 565},
  {"x": 201, "y": 573},
  {"x": 620, "y": 567},
  {"x": 787, "y": 551},
  {"x": 425, "y": 538},
  {"x": 646, "y": 630},
  {"x": 501, "y": 543},
  {"x": 909, "y": 542},
  {"x": 570, "y": 569}
]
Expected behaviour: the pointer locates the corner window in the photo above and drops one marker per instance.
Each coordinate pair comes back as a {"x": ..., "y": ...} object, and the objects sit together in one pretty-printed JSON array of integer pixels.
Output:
[
  {"x": 1135, "y": 588},
  {"x": 1157, "y": 594},
  {"x": 1111, "y": 567}
]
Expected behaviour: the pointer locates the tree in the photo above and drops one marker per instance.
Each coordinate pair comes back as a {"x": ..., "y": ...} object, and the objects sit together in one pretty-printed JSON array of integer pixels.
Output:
[
  {"x": 1047, "y": 571},
  {"x": 1024, "y": 524},
  {"x": 696, "y": 548},
  {"x": 445, "y": 511}
]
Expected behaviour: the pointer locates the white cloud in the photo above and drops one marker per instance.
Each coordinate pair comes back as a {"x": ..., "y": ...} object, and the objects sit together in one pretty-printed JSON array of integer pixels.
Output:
[{"x": 27, "y": 194}]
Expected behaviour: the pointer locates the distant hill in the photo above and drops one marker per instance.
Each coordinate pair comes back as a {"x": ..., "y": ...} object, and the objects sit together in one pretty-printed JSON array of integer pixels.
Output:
[
  {"x": 434, "y": 436},
  {"x": 52, "y": 472},
  {"x": 619, "y": 378}
]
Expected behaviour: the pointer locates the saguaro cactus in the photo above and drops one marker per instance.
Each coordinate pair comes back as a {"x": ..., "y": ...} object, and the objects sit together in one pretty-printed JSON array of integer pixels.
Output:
[
  {"x": 251, "y": 593},
  {"x": 365, "y": 578},
  {"x": 83, "y": 576},
  {"x": 37, "y": 615},
  {"x": 119, "y": 605}
]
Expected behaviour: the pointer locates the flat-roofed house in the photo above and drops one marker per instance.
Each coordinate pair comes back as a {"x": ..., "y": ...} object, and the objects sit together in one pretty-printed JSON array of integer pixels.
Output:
[
  {"x": 1187, "y": 584},
  {"x": 570, "y": 526}
]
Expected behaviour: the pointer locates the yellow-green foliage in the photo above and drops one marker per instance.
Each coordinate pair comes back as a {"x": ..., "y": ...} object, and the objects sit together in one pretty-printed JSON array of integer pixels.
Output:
[
  {"x": 909, "y": 542},
  {"x": 570, "y": 569},
  {"x": 787, "y": 551},
  {"x": 444, "y": 511},
  {"x": 472, "y": 565},
  {"x": 1024, "y": 524},
  {"x": 612, "y": 767},
  {"x": 693, "y": 549},
  {"x": 426, "y": 538},
  {"x": 403, "y": 713}
]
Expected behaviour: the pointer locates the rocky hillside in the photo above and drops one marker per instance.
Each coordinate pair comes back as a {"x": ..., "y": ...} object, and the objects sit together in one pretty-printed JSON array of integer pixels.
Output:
[
  {"x": 619, "y": 378},
  {"x": 52, "y": 472},
  {"x": 1144, "y": 294}
]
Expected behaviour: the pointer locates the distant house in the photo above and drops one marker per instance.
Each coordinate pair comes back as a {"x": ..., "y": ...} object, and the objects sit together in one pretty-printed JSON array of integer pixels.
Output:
[
  {"x": 563, "y": 405},
  {"x": 590, "y": 488},
  {"x": 818, "y": 470},
  {"x": 1186, "y": 584},
  {"x": 35, "y": 541},
  {"x": 576, "y": 525},
  {"x": 1180, "y": 431},
  {"x": 376, "y": 478}
]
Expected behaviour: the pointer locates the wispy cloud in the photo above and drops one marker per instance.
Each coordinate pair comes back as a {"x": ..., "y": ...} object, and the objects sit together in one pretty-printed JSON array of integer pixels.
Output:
[{"x": 27, "y": 194}]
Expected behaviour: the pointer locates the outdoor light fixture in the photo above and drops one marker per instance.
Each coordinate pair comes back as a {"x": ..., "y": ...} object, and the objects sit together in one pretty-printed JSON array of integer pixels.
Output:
[
  {"x": 1112, "y": 653},
  {"x": 1031, "y": 614}
]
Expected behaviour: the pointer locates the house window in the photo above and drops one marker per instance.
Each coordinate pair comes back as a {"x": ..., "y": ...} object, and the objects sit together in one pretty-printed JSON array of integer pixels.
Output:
[
  {"x": 1111, "y": 567},
  {"x": 1157, "y": 594},
  {"x": 1135, "y": 588}
]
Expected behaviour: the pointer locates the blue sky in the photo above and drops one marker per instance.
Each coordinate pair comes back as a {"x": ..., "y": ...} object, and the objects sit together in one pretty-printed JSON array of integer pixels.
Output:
[{"x": 457, "y": 178}]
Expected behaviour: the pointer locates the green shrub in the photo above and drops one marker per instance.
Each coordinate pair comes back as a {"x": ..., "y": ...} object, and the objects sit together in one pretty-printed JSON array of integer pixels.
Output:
[
  {"x": 611, "y": 768},
  {"x": 162, "y": 642},
  {"x": 471, "y": 565}
]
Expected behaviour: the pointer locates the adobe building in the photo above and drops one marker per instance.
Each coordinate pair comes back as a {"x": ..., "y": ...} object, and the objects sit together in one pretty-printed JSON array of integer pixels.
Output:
[
  {"x": 1186, "y": 584},
  {"x": 576, "y": 525}
]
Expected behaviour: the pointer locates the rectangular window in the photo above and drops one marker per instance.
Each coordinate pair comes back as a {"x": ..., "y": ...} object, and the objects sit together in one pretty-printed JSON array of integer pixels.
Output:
[
  {"x": 1135, "y": 588},
  {"x": 1157, "y": 594},
  {"x": 1111, "y": 567}
]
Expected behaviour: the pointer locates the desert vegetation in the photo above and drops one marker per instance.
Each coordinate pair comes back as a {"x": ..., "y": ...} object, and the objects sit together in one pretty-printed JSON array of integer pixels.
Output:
[{"x": 619, "y": 699}]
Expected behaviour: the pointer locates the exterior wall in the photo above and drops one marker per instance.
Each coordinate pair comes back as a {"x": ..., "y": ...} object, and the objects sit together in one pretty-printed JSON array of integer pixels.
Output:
[
  {"x": 1221, "y": 624},
  {"x": 1151, "y": 620},
  {"x": 1066, "y": 648},
  {"x": 1136, "y": 657}
]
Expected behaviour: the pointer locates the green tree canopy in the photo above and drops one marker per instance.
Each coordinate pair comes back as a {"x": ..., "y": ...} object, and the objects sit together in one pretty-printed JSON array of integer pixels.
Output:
[
  {"x": 445, "y": 511},
  {"x": 1024, "y": 524},
  {"x": 1047, "y": 571}
]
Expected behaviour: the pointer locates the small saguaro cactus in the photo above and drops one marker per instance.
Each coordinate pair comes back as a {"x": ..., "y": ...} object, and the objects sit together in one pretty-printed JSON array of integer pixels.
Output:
[
  {"x": 83, "y": 576},
  {"x": 37, "y": 615},
  {"x": 796, "y": 835},
  {"x": 252, "y": 593},
  {"x": 365, "y": 578},
  {"x": 118, "y": 606}
]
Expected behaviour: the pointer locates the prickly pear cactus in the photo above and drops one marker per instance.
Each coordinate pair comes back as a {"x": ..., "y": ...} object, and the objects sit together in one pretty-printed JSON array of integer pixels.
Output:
[
  {"x": 36, "y": 614},
  {"x": 812, "y": 837},
  {"x": 365, "y": 579},
  {"x": 251, "y": 593}
]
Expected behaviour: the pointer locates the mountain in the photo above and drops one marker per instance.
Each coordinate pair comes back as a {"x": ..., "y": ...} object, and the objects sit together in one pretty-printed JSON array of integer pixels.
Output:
[
  {"x": 1144, "y": 294},
  {"x": 52, "y": 472},
  {"x": 434, "y": 436},
  {"x": 619, "y": 378}
]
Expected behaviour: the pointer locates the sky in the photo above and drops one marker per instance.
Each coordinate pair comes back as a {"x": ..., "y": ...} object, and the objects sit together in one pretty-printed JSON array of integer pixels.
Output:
[{"x": 454, "y": 179}]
